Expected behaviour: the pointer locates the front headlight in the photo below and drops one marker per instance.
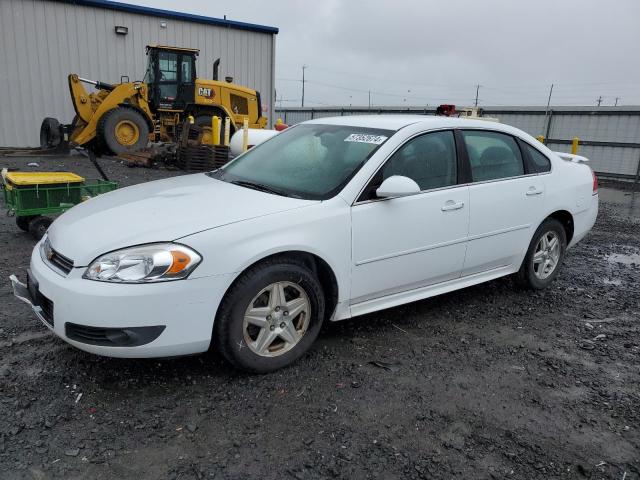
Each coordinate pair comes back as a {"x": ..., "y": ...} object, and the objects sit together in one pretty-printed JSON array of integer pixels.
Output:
[{"x": 157, "y": 262}]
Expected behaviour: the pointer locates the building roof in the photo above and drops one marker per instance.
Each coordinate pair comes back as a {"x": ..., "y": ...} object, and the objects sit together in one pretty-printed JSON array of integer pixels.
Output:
[{"x": 170, "y": 14}]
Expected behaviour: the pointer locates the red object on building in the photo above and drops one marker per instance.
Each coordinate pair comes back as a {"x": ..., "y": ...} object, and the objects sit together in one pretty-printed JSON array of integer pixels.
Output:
[{"x": 446, "y": 110}]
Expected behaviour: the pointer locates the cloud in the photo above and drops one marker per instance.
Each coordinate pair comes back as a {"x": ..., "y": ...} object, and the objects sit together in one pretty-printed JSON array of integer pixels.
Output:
[{"x": 427, "y": 51}]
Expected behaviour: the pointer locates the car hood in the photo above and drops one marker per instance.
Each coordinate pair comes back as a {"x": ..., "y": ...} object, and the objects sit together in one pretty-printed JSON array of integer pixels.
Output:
[{"x": 163, "y": 210}]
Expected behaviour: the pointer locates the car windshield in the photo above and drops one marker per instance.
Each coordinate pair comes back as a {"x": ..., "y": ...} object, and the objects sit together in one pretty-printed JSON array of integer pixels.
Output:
[{"x": 309, "y": 161}]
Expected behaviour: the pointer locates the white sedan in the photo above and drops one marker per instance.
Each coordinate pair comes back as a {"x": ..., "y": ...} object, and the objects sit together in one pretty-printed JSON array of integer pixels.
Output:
[{"x": 330, "y": 219}]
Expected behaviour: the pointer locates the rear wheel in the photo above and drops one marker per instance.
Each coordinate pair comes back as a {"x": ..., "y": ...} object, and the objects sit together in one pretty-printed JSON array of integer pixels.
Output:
[
  {"x": 23, "y": 222},
  {"x": 542, "y": 263},
  {"x": 50, "y": 135},
  {"x": 38, "y": 226},
  {"x": 270, "y": 317},
  {"x": 123, "y": 130}
]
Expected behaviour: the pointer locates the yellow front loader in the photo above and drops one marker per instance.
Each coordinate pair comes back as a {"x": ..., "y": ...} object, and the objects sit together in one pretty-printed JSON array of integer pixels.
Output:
[{"x": 124, "y": 117}]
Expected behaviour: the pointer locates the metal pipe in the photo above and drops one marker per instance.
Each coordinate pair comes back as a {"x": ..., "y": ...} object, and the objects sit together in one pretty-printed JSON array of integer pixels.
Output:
[
  {"x": 215, "y": 130},
  {"x": 574, "y": 145},
  {"x": 227, "y": 130},
  {"x": 245, "y": 134},
  {"x": 98, "y": 84},
  {"x": 216, "y": 64},
  {"x": 86, "y": 80}
]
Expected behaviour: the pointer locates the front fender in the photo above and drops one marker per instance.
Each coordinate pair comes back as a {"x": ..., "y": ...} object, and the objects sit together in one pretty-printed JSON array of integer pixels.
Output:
[{"x": 320, "y": 229}]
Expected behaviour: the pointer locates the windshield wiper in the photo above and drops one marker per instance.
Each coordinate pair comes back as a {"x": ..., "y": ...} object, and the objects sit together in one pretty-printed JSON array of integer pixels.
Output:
[{"x": 260, "y": 187}]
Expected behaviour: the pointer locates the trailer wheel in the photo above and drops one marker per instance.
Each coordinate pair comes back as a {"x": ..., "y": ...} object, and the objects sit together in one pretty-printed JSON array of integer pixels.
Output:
[
  {"x": 50, "y": 133},
  {"x": 38, "y": 226},
  {"x": 23, "y": 222},
  {"x": 123, "y": 130}
]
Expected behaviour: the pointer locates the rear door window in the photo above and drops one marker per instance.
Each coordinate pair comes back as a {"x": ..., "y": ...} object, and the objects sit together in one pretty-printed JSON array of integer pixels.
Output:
[
  {"x": 492, "y": 155},
  {"x": 539, "y": 161}
]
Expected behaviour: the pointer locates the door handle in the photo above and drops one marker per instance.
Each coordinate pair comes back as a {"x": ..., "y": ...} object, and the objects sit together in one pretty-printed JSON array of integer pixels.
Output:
[
  {"x": 451, "y": 205},
  {"x": 533, "y": 191}
]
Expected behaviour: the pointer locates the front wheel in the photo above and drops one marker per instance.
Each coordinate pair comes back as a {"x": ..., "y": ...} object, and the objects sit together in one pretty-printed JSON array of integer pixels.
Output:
[
  {"x": 270, "y": 317},
  {"x": 123, "y": 130},
  {"x": 545, "y": 255}
]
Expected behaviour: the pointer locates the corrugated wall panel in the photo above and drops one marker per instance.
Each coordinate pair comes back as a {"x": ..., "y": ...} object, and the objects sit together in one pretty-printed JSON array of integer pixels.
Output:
[
  {"x": 589, "y": 125},
  {"x": 613, "y": 160},
  {"x": 601, "y": 128},
  {"x": 41, "y": 42},
  {"x": 532, "y": 124}
]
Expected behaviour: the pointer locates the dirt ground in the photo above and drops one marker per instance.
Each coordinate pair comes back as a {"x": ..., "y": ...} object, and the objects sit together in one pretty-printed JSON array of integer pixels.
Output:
[{"x": 487, "y": 382}]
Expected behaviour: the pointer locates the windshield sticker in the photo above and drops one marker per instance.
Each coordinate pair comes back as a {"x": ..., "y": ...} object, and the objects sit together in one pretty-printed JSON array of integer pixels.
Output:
[{"x": 364, "y": 138}]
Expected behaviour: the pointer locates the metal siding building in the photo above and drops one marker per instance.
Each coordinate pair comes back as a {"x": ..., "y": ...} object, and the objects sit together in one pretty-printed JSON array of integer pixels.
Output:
[{"x": 42, "y": 41}]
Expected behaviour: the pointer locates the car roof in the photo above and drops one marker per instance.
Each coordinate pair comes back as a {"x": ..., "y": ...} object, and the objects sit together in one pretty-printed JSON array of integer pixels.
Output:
[{"x": 396, "y": 122}]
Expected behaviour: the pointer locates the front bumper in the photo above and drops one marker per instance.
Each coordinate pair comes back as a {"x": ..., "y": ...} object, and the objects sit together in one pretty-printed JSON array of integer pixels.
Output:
[{"x": 178, "y": 315}]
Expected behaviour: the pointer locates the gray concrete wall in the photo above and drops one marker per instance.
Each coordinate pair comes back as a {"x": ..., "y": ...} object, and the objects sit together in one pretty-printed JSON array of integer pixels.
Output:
[{"x": 42, "y": 41}]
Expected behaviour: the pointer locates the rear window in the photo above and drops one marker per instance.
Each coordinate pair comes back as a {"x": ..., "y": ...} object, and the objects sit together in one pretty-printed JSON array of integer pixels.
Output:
[
  {"x": 540, "y": 162},
  {"x": 239, "y": 105},
  {"x": 492, "y": 155}
]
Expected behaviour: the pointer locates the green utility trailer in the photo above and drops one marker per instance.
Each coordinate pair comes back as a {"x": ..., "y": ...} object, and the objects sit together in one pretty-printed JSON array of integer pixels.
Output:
[{"x": 31, "y": 196}]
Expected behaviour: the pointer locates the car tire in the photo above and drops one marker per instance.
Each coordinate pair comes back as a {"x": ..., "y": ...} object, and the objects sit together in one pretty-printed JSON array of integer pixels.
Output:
[
  {"x": 238, "y": 339},
  {"x": 544, "y": 258},
  {"x": 38, "y": 226}
]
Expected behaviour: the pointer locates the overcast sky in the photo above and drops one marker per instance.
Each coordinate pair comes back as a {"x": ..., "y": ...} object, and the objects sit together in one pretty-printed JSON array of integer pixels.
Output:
[{"x": 418, "y": 52}]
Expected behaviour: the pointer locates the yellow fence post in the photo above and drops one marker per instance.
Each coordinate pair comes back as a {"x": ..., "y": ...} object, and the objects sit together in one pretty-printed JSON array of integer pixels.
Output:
[
  {"x": 215, "y": 130},
  {"x": 540, "y": 138},
  {"x": 245, "y": 134},
  {"x": 227, "y": 131},
  {"x": 574, "y": 145}
]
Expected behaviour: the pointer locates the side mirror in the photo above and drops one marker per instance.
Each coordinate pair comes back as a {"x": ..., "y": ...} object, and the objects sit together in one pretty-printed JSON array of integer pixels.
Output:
[{"x": 397, "y": 186}]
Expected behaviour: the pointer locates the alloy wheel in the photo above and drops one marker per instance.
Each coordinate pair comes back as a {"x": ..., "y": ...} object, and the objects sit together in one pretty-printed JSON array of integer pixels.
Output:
[
  {"x": 546, "y": 255},
  {"x": 276, "y": 319}
]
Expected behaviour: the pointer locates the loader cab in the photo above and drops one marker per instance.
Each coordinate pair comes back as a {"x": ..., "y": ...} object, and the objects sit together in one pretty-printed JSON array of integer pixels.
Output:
[{"x": 171, "y": 77}]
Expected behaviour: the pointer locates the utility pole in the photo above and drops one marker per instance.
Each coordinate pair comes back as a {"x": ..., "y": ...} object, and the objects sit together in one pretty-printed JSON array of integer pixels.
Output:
[
  {"x": 477, "y": 90},
  {"x": 616, "y": 104},
  {"x": 369, "y": 99},
  {"x": 546, "y": 112},
  {"x": 599, "y": 100},
  {"x": 549, "y": 99},
  {"x": 303, "y": 69}
]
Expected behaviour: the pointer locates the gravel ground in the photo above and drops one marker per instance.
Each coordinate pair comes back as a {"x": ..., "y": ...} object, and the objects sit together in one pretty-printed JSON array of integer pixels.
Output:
[{"x": 487, "y": 382}]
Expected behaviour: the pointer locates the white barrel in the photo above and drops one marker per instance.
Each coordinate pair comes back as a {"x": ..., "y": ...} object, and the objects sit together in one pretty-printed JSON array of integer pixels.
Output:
[{"x": 256, "y": 137}]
